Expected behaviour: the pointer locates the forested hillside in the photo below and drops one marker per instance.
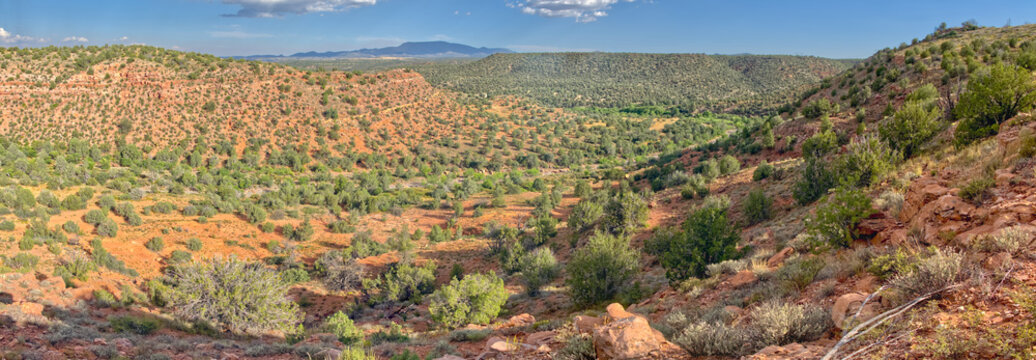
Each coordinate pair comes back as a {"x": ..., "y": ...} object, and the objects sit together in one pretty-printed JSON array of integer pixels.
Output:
[{"x": 694, "y": 81}]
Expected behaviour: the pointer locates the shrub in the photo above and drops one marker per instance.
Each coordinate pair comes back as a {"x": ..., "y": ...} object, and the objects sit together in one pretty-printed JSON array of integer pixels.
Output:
[
  {"x": 866, "y": 161},
  {"x": 816, "y": 179},
  {"x": 935, "y": 272},
  {"x": 818, "y": 108},
  {"x": 729, "y": 165},
  {"x": 781, "y": 323},
  {"x": 179, "y": 256},
  {"x": 835, "y": 221},
  {"x": 994, "y": 95},
  {"x": 340, "y": 272},
  {"x": 7, "y": 225},
  {"x": 103, "y": 258},
  {"x": 977, "y": 190},
  {"x": 94, "y": 217},
  {"x": 240, "y": 297},
  {"x": 156, "y": 244},
  {"x": 300, "y": 233},
  {"x": 340, "y": 227},
  {"x": 757, "y": 207},
  {"x": 625, "y": 213},
  {"x": 292, "y": 276},
  {"x": 194, "y": 244},
  {"x": 585, "y": 214},
  {"x": 163, "y": 207},
  {"x": 910, "y": 128},
  {"x": 107, "y": 228},
  {"x": 139, "y": 325},
  {"x": 762, "y": 171},
  {"x": 578, "y": 347},
  {"x": 711, "y": 339},
  {"x": 544, "y": 228},
  {"x": 706, "y": 237},
  {"x": 356, "y": 353},
  {"x": 476, "y": 299},
  {"x": 70, "y": 227},
  {"x": 402, "y": 282},
  {"x": 253, "y": 213},
  {"x": 538, "y": 268},
  {"x": 364, "y": 246},
  {"x": 77, "y": 266},
  {"x": 73, "y": 202},
  {"x": 342, "y": 326},
  {"x": 104, "y": 298},
  {"x": 602, "y": 268}
]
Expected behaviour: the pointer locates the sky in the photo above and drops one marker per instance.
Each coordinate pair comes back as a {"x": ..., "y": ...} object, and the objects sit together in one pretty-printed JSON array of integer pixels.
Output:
[{"x": 836, "y": 29}]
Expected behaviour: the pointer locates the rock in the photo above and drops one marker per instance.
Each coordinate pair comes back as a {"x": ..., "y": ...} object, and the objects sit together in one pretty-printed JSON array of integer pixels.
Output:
[
  {"x": 541, "y": 337},
  {"x": 449, "y": 357},
  {"x": 789, "y": 351},
  {"x": 778, "y": 258},
  {"x": 500, "y": 345},
  {"x": 627, "y": 336},
  {"x": 998, "y": 261},
  {"x": 329, "y": 354},
  {"x": 742, "y": 278},
  {"x": 518, "y": 321},
  {"x": 585, "y": 324},
  {"x": 228, "y": 356},
  {"x": 123, "y": 344},
  {"x": 849, "y": 304}
]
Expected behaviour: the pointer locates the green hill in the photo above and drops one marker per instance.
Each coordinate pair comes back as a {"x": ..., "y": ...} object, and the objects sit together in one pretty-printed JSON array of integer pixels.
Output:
[{"x": 622, "y": 79}]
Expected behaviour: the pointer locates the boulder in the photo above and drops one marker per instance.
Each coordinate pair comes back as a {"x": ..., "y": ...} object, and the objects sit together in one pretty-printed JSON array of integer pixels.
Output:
[
  {"x": 849, "y": 304},
  {"x": 778, "y": 258},
  {"x": 519, "y": 320},
  {"x": 742, "y": 278},
  {"x": 498, "y": 344},
  {"x": 627, "y": 336},
  {"x": 586, "y": 324}
]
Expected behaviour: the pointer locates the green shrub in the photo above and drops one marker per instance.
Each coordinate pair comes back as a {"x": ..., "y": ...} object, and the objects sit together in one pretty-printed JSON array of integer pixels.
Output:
[
  {"x": 910, "y": 128},
  {"x": 104, "y": 298},
  {"x": 76, "y": 266},
  {"x": 835, "y": 221},
  {"x": 706, "y": 237},
  {"x": 94, "y": 217},
  {"x": 73, "y": 202},
  {"x": 818, "y": 108},
  {"x": 7, "y": 225},
  {"x": 934, "y": 272},
  {"x": 866, "y": 161},
  {"x": 977, "y": 190},
  {"x": 403, "y": 282},
  {"x": 107, "y": 228},
  {"x": 163, "y": 207},
  {"x": 180, "y": 256},
  {"x": 140, "y": 325},
  {"x": 194, "y": 244},
  {"x": 538, "y": 268},
  {"x": 300, "y": 233},
  {"x": 799, "y": 273},
  {"x": 475, "y": 299},
  {"x": 578, "y": 347},
  {"x": 757, "y": 207},
  {"x": 253, "y": 213},
  {"x": 762, "y": 171},
  {"x": 240, "y": 297},
  {"x": 70, "y": 227},
  {"x": 624, "y": 213},
  {"x": 103, "y": 258},
  {"x": 356, "y": 353},
  {"x": 816, "y": 177},
  {"x": 598, "y": 271},
  {"x": 585, "y": 214},
  {"x": 21, "y": 261},
  {"x": 994, "y": 95},
  {"x": 292, "y": 276},
  {"x": 364, "y": 246},
  {"x": 342, "y": 326},
  {"x": 729, "y": 165},
  {"x": 781, "y": 323},
  {"x": 156, "y": 244}
]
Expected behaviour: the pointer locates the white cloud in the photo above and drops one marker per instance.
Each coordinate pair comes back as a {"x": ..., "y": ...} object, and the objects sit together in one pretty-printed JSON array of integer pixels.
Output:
[
  {"x": 237, "y": 34},
  {"x": 75, "y": 39},
  {"x": 8, "y": 38},
  {"x": 276, "y": 8},
  {"x": 124, "y": 38},
  {"x": 581, "y": 10}
]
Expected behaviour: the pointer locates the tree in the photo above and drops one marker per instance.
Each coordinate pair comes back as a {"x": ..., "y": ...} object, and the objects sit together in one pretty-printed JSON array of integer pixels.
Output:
[
  {"x": 706, "y": 237},
  {"x": 475, "y": 299},
  {"x": 239, "y": 297},
  {"x": 994, "y": 95},
  {"x": 624, "y": 213},
  {"x": 538, "y": 268},
  {"x": 910, "y": 127},
  {"x": 758, "y": 206},
  {"x": 598, "y": 271},
  {"x": 341, "y": 272},
  {"x": 835, "y": 221}
]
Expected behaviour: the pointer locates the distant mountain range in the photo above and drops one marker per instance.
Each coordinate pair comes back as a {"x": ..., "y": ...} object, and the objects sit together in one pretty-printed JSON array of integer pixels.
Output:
[{"x": 426, "y": 49}]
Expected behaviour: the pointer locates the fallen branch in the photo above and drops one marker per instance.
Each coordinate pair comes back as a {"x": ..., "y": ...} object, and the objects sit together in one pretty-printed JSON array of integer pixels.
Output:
[{"x": 869, "y": 325}]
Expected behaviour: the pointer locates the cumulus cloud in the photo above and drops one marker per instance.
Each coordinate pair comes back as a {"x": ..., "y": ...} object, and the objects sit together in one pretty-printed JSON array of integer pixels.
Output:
[
  {"x": 8, "y": 38},
  {"x": 275, "y": 8},
  {"x": 75, "y": 39},
  {"x": 581, "y": 10}
]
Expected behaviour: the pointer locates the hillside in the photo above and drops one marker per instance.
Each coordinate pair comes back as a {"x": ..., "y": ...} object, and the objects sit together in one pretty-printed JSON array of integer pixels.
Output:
[
  {"x": 743, "y": 82},
  {"x": 260, "y": 211}
]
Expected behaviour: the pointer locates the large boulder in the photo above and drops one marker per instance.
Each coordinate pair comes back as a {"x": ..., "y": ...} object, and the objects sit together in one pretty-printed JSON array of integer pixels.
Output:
[
  {"x": 848, "y": 305},
  {"x": 628, "y": 336}
]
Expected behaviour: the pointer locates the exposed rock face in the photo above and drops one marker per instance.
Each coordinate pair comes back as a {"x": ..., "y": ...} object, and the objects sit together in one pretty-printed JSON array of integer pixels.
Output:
[
  {"x": 627, "y": 336},
  {"x": 778, "y": 258},
  {"x": 849, "y": 304}
]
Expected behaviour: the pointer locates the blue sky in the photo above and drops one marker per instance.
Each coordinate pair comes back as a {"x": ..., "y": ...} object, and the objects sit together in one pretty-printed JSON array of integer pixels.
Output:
[{"x": 840, "y": 29}]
